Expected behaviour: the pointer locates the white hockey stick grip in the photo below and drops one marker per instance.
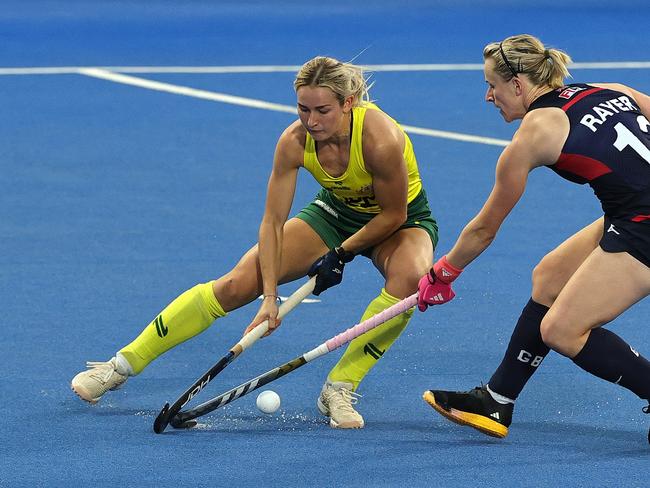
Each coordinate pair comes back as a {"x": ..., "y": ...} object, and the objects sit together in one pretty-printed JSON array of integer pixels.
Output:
[{"x": 285, "y": 307}]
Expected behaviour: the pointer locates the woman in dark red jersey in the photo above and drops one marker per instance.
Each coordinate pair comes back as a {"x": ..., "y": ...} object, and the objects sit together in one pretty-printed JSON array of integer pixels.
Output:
[{"x": 587, "y": 133}]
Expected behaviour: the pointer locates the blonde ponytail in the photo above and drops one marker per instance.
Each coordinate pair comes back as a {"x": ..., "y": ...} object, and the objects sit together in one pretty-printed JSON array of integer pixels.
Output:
[{"x": 527, "y": 55}]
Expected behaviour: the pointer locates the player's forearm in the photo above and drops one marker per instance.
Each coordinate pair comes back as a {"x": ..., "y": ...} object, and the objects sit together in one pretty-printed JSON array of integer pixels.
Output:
[
  {"x": 270, "y": 250},
  {"x": 473, "y": 240},
  {"x": 379, "y": 228}
]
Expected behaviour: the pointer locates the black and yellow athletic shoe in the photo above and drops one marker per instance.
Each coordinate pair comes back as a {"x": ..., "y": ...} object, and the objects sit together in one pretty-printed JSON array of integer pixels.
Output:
[{"x": 475, "y": 408}]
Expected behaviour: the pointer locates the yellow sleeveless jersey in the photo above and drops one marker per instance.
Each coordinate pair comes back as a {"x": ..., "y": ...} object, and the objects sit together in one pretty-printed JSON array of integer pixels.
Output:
[{"x": 354, "y": 187}]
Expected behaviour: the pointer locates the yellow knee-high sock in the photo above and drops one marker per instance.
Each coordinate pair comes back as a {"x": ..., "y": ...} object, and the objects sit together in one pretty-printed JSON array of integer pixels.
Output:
[
  {"x": 188, "y": 315},
  {"x": 364, "y": 351}
]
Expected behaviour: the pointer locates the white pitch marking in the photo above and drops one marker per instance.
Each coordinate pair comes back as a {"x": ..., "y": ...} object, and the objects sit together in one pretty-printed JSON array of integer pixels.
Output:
[
  {"x": 251, "y": 102},
  {"x": 293, "y": 69},
  {"x": 457, "y": 136},
  {"x": 113, "y": 74},
  {"x": 183, "y": 90},
  {"x": 282, "y": 299},
  {"x": 63, "y": 70}
]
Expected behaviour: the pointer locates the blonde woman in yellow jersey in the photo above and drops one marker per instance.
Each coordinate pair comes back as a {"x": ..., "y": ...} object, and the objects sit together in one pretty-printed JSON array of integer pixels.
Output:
[{"x": 371, "y": 203}]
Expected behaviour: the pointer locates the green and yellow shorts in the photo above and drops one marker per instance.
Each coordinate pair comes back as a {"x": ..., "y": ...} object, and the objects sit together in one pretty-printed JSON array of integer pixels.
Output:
[{"x": 334, "y": 221}]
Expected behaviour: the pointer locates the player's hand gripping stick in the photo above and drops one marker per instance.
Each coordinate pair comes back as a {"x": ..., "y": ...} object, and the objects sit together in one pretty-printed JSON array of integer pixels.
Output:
[
  {"x": 434, "y": 287},
  {"x": 328, "y": 269}
]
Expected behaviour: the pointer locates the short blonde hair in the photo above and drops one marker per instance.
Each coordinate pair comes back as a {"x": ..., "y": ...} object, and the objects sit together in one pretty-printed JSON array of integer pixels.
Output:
[
  {"x": 526, "y": 54},
  {"x": 344, "y": 79}
]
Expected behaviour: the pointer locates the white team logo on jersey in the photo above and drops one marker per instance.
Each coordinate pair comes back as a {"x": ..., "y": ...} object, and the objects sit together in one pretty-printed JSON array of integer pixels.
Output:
[
  {"x": 569, "y": 92},
  {"x": 613, "y": 229}
]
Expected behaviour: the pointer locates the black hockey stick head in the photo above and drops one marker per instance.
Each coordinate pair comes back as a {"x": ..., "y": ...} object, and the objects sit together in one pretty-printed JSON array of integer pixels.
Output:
[
  {"x": 162, "y": 420},
  {"x": 177, "y": 423}
]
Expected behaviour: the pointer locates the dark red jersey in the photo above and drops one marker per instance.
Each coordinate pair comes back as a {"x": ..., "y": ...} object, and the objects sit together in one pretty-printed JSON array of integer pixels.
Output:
[{"x": 608, "y": 146}]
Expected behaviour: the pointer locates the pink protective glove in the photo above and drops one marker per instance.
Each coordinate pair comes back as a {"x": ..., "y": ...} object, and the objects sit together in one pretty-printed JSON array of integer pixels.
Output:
[{"x": 434, "y": 287}]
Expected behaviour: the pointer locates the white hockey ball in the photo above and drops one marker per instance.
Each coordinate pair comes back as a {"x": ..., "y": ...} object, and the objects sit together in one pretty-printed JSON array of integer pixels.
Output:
[{"x": 268, "y": 401}]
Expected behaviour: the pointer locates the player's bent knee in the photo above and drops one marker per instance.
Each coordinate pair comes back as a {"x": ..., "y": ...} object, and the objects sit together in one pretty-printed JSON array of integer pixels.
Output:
[
  {"x": 554, "y": 334},
  {"x": 404, "y": 282},
  {"x": 235, "y": 290}
]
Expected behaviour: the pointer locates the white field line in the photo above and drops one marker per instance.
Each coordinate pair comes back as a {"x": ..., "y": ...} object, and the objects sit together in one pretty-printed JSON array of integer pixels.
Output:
[
  {"x": 183, "y": 90},
  {"x": 283, "y": 299},
  {"x": 114, "y": 74},
  {"x": 293, "y": 69},
  {"x": 261, "y": 104},
  {"x": 456, "y": 136}
]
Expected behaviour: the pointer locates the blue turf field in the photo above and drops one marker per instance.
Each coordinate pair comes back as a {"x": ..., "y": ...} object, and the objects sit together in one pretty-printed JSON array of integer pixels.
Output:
[{"x": 115, "y": 198}]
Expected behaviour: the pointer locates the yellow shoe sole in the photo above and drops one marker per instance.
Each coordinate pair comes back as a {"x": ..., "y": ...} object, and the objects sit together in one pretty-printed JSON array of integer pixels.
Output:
[{"x": 478, "y": 422}]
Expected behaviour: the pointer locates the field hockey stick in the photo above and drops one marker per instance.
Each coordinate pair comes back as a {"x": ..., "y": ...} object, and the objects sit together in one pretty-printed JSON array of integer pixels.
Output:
[
  {"x": 167, "y": 412},
  {"x": 181, "y": 419}
]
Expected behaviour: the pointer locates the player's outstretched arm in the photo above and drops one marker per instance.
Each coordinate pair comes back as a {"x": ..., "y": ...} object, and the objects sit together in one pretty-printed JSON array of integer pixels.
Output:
[
  {"x": 279, "y": 197},
  {"x": 533, "y": 145}
]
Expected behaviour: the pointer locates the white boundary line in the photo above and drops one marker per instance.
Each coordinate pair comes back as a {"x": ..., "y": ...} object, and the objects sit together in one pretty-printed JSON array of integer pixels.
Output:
[
  {"x": 183, "y": 90},
  {"x": 114, "y": 74},
  {"x": 284, "y": 299},
  {"x": 293, "y": 69},
  {"x": 261, "y": 104}
]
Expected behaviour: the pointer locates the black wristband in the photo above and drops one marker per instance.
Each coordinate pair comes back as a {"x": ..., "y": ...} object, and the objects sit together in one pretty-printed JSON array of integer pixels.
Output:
[{"x": 345, "y": 256}]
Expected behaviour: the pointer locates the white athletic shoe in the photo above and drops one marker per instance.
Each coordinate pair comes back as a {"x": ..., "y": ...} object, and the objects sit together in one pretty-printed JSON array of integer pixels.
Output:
[
  {"x": 100, "y": 377},
  {"x": 335, "y": 401}
]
